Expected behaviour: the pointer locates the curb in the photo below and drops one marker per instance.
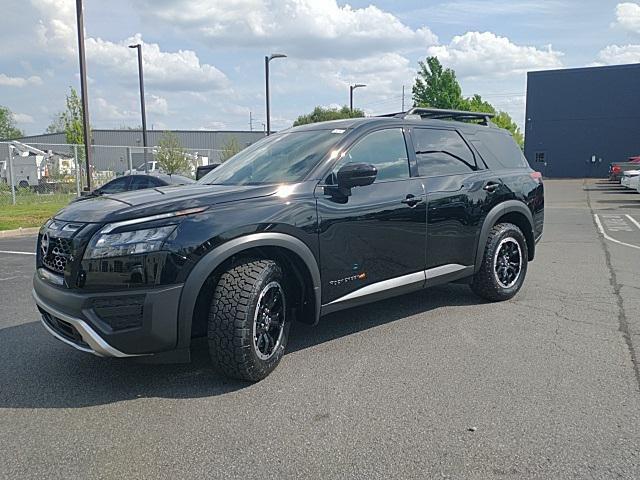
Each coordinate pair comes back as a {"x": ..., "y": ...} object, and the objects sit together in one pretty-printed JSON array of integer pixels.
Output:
[{"x": 19, "y": 232}]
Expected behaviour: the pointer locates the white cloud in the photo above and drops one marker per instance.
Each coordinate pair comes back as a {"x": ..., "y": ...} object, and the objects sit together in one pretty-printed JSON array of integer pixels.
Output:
[
  {"x": 476, "y": 54},
  {"x": 56, "y": 28},
  {"x": 6, "y": 81},
  {"x": 617, "y": 55},
  {"x": 23, "y": 118},
  {"x": 177, "y": 71},
  {"x": 383, "y": 76},
  {"x": 106, "y": 111},
  {"x": 181, "y": 70},
  {"x": 628, "y": 16},
  {"x": 309, "y": 28},
  {"x": 157, "y": 105}
]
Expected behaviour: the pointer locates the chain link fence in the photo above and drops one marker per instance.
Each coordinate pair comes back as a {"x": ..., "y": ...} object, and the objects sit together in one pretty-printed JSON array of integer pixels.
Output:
[{"x": 41, "y": 172}]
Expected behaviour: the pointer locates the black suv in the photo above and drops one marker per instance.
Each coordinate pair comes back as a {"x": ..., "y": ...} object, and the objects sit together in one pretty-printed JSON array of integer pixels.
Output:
[{"x": 305, "y": 222}]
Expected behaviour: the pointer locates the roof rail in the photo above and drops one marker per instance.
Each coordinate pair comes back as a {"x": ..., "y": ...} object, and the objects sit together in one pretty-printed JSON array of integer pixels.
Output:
[{"x": 440, "y": 114}]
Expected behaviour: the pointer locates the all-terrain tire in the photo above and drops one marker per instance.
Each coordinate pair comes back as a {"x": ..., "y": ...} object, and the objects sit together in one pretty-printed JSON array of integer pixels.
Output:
[
  {"x": 231, "y": 331},
  {"x": 494, "y": 280}
]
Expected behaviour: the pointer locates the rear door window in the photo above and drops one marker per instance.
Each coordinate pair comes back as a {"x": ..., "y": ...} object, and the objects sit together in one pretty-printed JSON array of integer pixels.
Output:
[{"x": 442, "y": 152}]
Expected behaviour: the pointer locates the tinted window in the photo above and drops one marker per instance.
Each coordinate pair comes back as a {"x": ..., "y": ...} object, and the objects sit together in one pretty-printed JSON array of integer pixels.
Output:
[
  {"x": 115, "y": 186},
  {"x": 138, "y": 182},
  {"x": 499, "y": 150},
  {"x": 442, "y": 152},
  {"x": 280, "y": 158},
  {"x": 384, "y": 149}
]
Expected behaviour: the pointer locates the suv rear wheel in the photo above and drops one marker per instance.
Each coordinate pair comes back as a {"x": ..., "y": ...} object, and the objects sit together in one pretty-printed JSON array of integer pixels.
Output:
[
  {"x": 248, "y": 323},
  {"x": 504, "y": 264}
]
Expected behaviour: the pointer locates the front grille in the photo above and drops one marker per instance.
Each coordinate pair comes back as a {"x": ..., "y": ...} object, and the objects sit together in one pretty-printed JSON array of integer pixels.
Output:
[
  {"x": 57, "y": 247},
  {"x": 120, "y": 312},
  {"x": 64, "y": 329},
  {"x": 58, "y": 254}
]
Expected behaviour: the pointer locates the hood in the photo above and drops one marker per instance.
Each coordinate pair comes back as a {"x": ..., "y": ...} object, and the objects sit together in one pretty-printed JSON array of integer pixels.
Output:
[{"x": 152, "y": 201}]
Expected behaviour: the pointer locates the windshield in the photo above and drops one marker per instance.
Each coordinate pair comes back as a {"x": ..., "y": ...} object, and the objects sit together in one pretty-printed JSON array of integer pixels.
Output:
[{"x": 280, "y": 158}]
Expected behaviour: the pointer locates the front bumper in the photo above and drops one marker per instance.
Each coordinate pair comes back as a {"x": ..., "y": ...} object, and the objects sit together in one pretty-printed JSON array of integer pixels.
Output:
[{"x": 78, "y": 319}]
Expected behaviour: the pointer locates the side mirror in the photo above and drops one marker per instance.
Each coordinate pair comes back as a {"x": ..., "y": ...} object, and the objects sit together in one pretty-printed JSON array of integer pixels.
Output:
[{"x": 356, "y": 175}]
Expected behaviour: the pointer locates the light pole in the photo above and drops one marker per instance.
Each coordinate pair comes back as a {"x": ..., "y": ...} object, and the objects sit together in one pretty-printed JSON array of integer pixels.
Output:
[
  {"x": 84, "y": 92},
  {"x": 351, "y": 89},
  {"x": 138, "y": 46},
  {"x": 267, "y": 59}
]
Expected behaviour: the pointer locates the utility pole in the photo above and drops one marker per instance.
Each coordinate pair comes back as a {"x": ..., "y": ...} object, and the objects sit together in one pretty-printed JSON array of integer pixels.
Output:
[
  {"x": 143, "y": 112},
  {"x": 250, "y": 121},
  {"x": 84, "y": 92},
  {"x": 351, "y": 89},
  {"x": 402, "y": 98},
  {"x": 268, "y": 59}
]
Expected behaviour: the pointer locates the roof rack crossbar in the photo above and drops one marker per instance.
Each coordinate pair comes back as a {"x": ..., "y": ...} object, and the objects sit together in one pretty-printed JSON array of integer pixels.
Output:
[{"x": 441, "y": 114}]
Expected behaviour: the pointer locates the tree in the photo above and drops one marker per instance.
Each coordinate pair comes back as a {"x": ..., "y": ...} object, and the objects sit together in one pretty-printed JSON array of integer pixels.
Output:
[
  {"x": 504, "y": 120},
  {"x": 70, "y": 120},
  {"x": 57, "y": 125},
  {"x": 477, "y": 104},
  {"x": 436, "y": 87},
  {"x": 229, "y": 149},
  {"x": 321, "y": 114},
  {"x": 171, "y": 155},
  {"x": 501, "y": 119},
  {"x": 8, "y": 129}
]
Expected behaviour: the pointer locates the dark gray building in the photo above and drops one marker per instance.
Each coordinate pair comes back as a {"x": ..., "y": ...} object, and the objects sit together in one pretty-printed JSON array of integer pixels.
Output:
[{"x": 580, "y": 120}]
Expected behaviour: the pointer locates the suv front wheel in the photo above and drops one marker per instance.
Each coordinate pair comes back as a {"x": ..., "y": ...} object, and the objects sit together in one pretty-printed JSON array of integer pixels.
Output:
[
  {"x": 248, "y": 322},
  {"x": 504, "y": 264}
]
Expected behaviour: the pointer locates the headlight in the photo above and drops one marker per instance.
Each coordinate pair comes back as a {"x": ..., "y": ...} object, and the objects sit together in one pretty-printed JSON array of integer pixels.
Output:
[{"x": 104, "y": 244}]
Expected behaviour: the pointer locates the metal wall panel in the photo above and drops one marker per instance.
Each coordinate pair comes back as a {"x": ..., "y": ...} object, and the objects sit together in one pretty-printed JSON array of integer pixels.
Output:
[{"x": 580, "y": 120}]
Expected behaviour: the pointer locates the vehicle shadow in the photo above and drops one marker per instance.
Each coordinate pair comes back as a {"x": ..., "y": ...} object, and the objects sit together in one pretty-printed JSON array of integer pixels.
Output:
[{"x": 37, "y": 371}]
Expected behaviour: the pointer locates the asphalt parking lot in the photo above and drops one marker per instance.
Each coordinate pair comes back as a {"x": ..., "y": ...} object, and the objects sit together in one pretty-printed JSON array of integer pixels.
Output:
[{"x": 431, "y": 385}]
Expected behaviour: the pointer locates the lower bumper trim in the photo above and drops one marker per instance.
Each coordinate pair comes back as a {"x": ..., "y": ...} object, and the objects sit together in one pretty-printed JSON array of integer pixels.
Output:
[{"x": 94, "y": 343}]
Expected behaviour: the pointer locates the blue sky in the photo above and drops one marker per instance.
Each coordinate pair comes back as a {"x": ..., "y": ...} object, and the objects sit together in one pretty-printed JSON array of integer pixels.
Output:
[{"x": 204, "y": 60}]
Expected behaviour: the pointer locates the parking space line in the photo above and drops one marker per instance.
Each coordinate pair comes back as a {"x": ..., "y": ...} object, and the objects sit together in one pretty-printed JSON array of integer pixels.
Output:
[
  {"x": 11, "y": 252},
  {"x": 633, "y": 220},
  {"x": 611, "y": 239}
]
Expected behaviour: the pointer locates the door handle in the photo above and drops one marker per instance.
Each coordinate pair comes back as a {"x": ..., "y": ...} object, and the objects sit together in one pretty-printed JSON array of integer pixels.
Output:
[
  {"x": 491, "y": 186},
  {"x": 412, "y": 200}
]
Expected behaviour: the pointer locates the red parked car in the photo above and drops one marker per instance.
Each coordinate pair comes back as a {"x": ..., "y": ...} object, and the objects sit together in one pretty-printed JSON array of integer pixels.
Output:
[{"x": 617, "y": 169}]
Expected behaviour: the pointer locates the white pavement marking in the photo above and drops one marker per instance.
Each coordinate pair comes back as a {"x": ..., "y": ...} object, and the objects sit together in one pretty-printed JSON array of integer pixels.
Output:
[
  {"x": 604, "y": 234},
  {"x": 633, "y": 220},
  {"x": 615, "y": 223},
  {"x": 11, "y": 252}
]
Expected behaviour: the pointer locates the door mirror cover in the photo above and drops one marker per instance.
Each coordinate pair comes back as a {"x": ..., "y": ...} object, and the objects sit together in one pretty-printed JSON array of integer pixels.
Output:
[{"x": 356, "y": 175}]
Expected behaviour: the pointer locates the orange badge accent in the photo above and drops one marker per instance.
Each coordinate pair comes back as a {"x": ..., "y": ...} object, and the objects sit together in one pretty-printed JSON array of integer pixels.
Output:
[{"x": 362, "y": 276}]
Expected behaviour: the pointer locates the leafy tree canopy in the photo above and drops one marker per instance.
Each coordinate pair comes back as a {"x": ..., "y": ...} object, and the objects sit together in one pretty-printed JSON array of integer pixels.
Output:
[
  {"x": 321, "y": 114},
  {"x": 69, "y": 121},
  {"x": 229, "y": 149},
  {"x": 437, "y": 87},
  {"x": 171, "y": 155},
  {"x": 8, "y": 129}
]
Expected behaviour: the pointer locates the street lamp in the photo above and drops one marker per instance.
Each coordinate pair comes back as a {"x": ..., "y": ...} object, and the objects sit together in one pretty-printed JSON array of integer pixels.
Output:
[
  {"x": 138, "y": 46},
  {"x": 266, "y": 79},
  {"x": 351, "y": 89}
]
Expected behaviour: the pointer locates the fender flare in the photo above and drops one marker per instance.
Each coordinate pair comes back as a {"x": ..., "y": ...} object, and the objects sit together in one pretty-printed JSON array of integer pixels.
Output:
[
  {"x": 490, "y": 220},
  {"x": 218, "y": 255}
]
